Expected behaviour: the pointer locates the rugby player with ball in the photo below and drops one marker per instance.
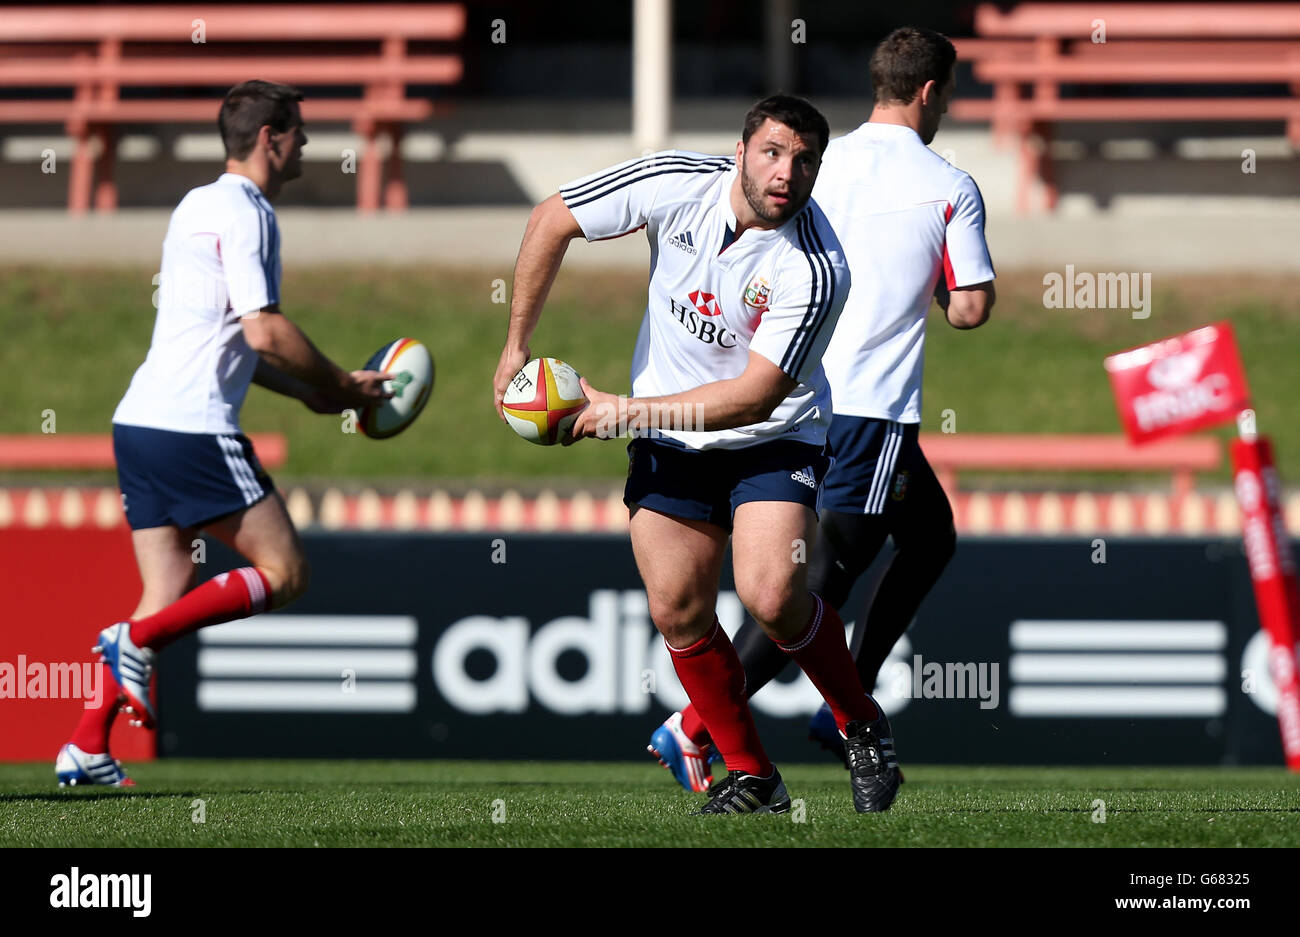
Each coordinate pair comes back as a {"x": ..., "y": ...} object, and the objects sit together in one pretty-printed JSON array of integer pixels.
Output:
[
  {"x": 747, "y": 282},
  {"x": 183, "y": 464},
  {"x": 912, "y": 226}
]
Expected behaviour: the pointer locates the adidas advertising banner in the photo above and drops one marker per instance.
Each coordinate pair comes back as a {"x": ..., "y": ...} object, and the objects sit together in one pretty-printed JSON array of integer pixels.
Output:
[{"x": 1134, "y": 651}]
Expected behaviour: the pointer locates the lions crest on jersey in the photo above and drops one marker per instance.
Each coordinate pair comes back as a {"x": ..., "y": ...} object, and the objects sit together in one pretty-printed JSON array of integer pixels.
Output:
[{"x": 758, "y": 293}]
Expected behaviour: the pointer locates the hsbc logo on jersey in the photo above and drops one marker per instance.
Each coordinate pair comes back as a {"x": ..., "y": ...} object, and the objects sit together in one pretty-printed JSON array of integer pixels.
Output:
[
  {"x": 698, "y": 321},
  {"x": 706, "y": 303}
]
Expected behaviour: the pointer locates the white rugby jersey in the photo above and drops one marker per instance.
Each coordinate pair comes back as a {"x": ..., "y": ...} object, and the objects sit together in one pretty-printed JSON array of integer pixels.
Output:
[
  {"x": 714, "y": 297},
  {"x": 221, "y": 259},
  {"x": 904, "y": 215}
]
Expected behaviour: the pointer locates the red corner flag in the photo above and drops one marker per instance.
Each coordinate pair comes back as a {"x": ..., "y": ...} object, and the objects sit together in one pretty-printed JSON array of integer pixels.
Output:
[
  {"x": 1179, "y": 384},
  {"x": 1195, "y": 380}
]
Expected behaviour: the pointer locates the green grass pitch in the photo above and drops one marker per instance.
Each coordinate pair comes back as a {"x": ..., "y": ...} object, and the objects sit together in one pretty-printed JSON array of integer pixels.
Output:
[{"x": 550, "y": 804}]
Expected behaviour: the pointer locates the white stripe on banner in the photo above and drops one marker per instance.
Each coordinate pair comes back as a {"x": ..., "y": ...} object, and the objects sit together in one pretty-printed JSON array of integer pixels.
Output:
[
  {"x": 382, "y": 630},
  {"x": 1118, "y": 668},
  {"x": 1110, "y": 635},
  {"x": 268, "y": 662},
  {"x": 267, "y": 696},
  {"x": 1119, "y": 702}
]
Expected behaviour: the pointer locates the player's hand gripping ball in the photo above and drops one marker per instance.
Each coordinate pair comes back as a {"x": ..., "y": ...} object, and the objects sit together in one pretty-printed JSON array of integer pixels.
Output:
[
  {"x": 543, "y": 400},
  {"x": 412, "y": 368}
]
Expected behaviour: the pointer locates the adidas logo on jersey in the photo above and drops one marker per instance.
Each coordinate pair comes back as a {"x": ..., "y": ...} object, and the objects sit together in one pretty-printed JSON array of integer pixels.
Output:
[
  {"x": 804, "y": 478},
  {"x": 684, "y": 241}
]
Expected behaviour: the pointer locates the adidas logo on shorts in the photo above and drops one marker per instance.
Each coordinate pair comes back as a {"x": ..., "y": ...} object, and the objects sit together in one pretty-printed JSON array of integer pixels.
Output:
[{"x": 804, "y": 478}]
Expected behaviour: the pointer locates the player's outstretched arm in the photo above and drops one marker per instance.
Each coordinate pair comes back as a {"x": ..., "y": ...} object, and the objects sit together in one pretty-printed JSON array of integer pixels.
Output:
[
  {"x": 273, "y": 379},
  {"x": 968, "y": 306},
  {"x": 738, "y": 401},
  {"x": 287, "y": 350},
  {"x": 276, "y": 381},
  {"x": 551, "y": 227}
]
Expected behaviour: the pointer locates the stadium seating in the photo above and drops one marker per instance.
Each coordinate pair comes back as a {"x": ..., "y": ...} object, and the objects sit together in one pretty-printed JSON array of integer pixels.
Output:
[
  {"x": 38, "y": 452},
  {"x": 162, "y": 52},
  {"x": 1182, "y": 510},
  {"x": 1047, "y": 46},
  {"x": 1182, "y": 456}
]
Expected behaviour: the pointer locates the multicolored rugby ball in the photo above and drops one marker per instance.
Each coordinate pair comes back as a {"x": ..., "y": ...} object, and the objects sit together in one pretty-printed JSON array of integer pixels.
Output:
[
  {"x": 543, "y": 400},
  {"x": 412, "y": 368}
]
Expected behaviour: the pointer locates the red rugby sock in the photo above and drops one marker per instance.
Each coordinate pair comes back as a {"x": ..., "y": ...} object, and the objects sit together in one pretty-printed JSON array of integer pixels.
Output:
[
  {"x": 824, "y": 656},
  {"x": 91, "y": 734},
  {"x": 236, "y": 594},
  {"x": 713, "y": 678},
  {"x": 693, "y": 726}
]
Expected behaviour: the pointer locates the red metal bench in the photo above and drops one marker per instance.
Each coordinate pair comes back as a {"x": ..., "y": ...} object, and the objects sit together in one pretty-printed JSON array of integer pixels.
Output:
[
  {"x": 948, "y": 453},
  {"x": 38, "y": 452},
  {"x": 1046, "y": 46},
  {"x": 97, "y": 51}
]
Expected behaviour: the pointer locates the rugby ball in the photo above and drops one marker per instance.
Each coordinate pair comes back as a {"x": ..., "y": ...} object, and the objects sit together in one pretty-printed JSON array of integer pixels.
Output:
[
  {"x": 543, "y": 400},
  {"x": 412, "y": 368}
]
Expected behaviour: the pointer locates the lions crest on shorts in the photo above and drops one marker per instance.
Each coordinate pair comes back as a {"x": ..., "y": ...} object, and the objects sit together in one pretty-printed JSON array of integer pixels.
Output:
[{"x": 900, "y": 486}]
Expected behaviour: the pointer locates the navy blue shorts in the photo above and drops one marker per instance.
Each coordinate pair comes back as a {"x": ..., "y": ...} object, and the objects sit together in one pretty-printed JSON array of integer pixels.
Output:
[
  {"x": 877, "y": 464},
  {"x": 709, "y": 484},
  {"x": 185, "y": 479}
]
